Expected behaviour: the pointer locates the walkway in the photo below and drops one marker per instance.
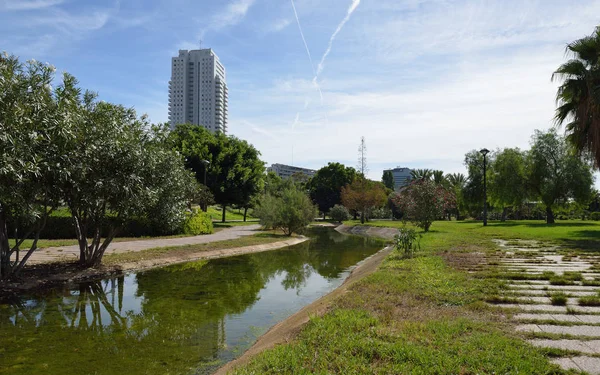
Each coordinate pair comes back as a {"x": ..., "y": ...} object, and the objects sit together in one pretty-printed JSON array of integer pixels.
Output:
[
  {"x": 571, "y": 325},
  {"x": 65, "y": 253}
]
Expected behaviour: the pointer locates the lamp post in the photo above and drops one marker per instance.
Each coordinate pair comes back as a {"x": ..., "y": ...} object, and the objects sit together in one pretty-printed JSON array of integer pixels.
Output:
[
  {"x": 206, "y": 163},
  {"x": 484, "y": 152}
]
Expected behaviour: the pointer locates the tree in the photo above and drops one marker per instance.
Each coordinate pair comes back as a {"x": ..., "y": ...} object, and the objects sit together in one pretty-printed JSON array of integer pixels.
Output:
[
  {"x": 339, "y": 213},
  {"x": 423, "y": 202},
  {"x": 235, "y": 170},
  {"x": 421, "y": 174},
  {"x": 473, "y": 189},
  {"x": 35, "y": 124},
  {"x": 555, "y": 174},
  {"x": 388, "y": 179},
  {"x": 363, "y": 195},
  {"x": 507, "y": 179},
  {"x": 578, "y": 97},
  {"x": 457, "y": 182},
  {"x": 326, "y": 185},
  {"x": 120, "y": 168},
  {"x": 439, "y": 178},
  {"x": 291, "y": 212}
]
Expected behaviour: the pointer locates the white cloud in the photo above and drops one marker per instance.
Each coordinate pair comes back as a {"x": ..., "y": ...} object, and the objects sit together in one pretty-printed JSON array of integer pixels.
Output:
[
  {"x": 28, "y": 4},
  {"x": 279, "y": 25},
  {"x": 232, "y": 14}
]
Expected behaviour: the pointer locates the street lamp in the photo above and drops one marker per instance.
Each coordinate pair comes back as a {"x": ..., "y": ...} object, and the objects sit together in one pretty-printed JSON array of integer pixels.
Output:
[
  {"x": 206, "y": 163},
  {"x": 484, "y": 152}
]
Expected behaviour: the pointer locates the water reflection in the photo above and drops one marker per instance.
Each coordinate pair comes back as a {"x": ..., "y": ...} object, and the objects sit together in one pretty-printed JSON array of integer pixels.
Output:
[{"x": 181, "y": 319}]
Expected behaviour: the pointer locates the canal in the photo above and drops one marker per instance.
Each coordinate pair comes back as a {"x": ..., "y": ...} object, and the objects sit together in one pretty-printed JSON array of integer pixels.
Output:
[{"x": 183, "y": 319}]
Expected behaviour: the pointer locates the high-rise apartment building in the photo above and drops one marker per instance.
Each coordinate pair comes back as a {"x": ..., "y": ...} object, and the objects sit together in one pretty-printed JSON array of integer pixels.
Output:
[{"x": 198, "y": 90}]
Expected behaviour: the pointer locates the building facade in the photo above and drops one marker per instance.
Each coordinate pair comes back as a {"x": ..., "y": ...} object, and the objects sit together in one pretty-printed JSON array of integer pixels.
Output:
[
  {"x": 287, "y": 171},
  {"x": 198, "y": 90},
  {"x": 401, "y": 176}
]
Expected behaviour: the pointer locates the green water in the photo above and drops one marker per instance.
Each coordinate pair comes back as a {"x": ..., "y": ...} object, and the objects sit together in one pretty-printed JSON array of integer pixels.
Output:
[{"x": 183, "y": 319}]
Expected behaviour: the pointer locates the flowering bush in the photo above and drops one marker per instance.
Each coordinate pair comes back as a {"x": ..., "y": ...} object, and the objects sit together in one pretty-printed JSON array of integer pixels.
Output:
[{"x": 423, "y": 201}]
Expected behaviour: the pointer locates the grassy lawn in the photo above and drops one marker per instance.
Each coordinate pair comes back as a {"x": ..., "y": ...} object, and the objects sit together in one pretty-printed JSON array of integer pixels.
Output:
[
  {"x": 232, "y": 214},
  {"x": 42, "y": 243},
  {"x": 425, "y": 315},
  {"x": 160, "y": 252}
]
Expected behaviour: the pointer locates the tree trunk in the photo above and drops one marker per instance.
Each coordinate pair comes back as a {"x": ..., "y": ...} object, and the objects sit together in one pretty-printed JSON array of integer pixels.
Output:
[
  {"x": 323, "y": 215},
  {"x": 504, "y": 210},
  {"x": 223, "y": 217},
  {"x": 362, "y": 217},
  {"x": 4, "y": 248},
  {"x": 245, "y": 213},
  {"x": 549, "y": 215}
]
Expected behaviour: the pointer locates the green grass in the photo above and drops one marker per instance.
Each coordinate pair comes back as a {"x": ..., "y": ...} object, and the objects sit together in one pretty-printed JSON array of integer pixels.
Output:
[
  {"x": 176, "y": 251},
  {"x": 558, "y": 299},
  {"x": 427, "y": 314},
  {"x": 216, "y": 213}
]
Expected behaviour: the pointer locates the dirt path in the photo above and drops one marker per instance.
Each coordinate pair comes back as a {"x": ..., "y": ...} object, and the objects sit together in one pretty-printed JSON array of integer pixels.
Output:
[
  {"x": 286, "y": 330},
  {"x": 71, "y": 253},
  {"x": 44, "y": 275},
  {"x": 178, "y": 257}
]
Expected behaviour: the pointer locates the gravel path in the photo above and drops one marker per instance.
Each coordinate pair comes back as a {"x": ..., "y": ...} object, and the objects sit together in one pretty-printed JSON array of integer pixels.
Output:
[{"x": 61, "y": 253}]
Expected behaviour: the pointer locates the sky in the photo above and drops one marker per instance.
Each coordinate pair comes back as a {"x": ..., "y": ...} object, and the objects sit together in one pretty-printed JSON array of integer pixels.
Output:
[{"x": 424, "y": 81}]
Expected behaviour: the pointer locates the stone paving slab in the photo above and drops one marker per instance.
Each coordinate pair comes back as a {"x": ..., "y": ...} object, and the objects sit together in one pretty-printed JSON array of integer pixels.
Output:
[
  {"x": 591, "y": 365},
  {"x": 554, "y": 287},
  {"x": 541, "y": 292},
  {"x": 577, "y": 330},
  {"x": 551, "y": 308},
  {"x": 566, "y": 318},
  {"x": 545, "y": 300},
  {"x": 575, "y": 345}
]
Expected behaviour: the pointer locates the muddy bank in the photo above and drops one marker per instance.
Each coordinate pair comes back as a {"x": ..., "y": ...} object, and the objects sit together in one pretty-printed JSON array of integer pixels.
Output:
[
  {"x": 364, "y": 230},
  {"x": 286, "y": 330},
  {"x": 48, "y": 275}
]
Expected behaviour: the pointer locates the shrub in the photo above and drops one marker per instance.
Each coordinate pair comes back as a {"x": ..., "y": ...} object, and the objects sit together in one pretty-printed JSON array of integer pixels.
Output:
[
  {"x": 339, "y": 213},
  {"x": 197, "y": 222},
  {"x": 424, "y": 201},
  {"x": 595, "y": 216},
  {"x": 407, "y": 241},
  {"x": 291, "y": 212}
]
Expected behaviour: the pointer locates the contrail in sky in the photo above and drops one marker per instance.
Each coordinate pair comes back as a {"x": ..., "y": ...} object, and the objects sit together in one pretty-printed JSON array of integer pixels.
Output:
[
  {"x": 312, "y": 65},
  {"x": 351, "y": 10}
]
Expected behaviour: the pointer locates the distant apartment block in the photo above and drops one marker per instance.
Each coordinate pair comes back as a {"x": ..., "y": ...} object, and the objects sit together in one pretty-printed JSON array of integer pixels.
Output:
[
  {"x": 401, "y": 176},
  {"x": 286, "y": 171},
  {"x": 198, "y": 90}
]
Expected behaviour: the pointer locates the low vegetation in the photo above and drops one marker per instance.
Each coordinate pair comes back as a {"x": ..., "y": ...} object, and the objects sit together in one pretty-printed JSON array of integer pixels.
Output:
[{"x": 423, "y": 314}]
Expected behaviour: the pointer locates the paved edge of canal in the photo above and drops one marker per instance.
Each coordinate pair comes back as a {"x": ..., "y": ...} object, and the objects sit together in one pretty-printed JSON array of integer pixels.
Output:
[{"x": 287, "y": 329}]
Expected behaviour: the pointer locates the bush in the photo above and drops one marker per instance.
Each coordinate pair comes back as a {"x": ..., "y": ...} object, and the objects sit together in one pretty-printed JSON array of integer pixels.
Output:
[
  {"x": 407, "y": 241},
  {"x": 197, "y": 222},
  {"x": 339, "y": 213},
  {"x": 595, "y": 216},
  {"x": 291, "y": 212},
  {"x": 380, "y": 213}
]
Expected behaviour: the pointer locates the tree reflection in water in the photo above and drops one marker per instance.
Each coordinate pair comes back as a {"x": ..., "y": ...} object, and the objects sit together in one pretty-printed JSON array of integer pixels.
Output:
[{"x": 167, "y": 320}]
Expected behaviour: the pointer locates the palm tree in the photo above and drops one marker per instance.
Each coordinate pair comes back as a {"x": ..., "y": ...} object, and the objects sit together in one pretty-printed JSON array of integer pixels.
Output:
[
  {"x": 456, "y": 180},
  {"x": 578, "y": 98},
  {"x": 438, "y": 177},
  {"x": 421, "y": 174}
]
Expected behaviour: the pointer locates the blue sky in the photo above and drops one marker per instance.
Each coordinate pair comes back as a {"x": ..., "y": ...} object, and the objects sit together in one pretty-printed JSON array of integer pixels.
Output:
[{"x": 424, "y": 81}]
